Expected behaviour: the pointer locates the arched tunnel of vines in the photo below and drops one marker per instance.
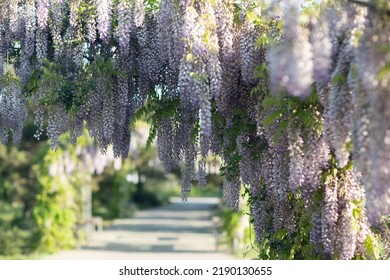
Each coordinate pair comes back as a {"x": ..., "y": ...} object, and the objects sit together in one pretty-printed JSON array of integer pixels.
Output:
[{"x": 292, "y": 97}]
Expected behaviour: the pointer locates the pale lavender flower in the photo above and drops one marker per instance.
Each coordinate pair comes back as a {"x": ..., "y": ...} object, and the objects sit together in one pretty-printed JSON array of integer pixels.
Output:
[{"x": 104, "y": 12}]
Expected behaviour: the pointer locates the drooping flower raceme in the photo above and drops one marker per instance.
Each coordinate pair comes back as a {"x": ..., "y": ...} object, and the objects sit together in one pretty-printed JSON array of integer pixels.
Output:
[
  {"x": 291, "y": 62},
  {"x": 104, "y": 11}
]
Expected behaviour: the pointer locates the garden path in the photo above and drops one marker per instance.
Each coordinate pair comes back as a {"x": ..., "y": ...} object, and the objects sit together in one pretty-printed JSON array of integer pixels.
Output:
[{"x": 175, "y": 231}]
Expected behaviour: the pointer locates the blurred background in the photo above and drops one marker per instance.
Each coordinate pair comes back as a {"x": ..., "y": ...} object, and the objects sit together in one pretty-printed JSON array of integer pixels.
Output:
[{"x": 60, "y": 204}]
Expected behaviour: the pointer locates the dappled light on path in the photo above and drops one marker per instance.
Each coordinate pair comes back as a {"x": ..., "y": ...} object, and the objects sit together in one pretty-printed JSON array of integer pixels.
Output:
[{"x": 175, "y": 231}]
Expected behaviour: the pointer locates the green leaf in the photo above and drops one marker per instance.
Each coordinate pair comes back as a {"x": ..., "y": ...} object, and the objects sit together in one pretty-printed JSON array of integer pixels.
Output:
[
  {"x": 152, "y": 137},
  {"x": 261, "y": 71},
  {"x": 271, "y": 101},
  {"x": 371, "y": 246},
  {"x": 273, "y": 117},
  {"x": 339, "y": 79},
  {"x": 263, "y": 41},
  {"x": 385, "y": 70},
  {"x": 282, "y": 127},
  {"x": 281, "y": 234}
]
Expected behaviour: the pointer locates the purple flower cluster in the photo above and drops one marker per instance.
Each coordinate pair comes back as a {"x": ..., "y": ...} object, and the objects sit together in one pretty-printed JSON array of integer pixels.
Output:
[
  {"x": 104, "y": 12},
  {"x": 291, "y": 62}
]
